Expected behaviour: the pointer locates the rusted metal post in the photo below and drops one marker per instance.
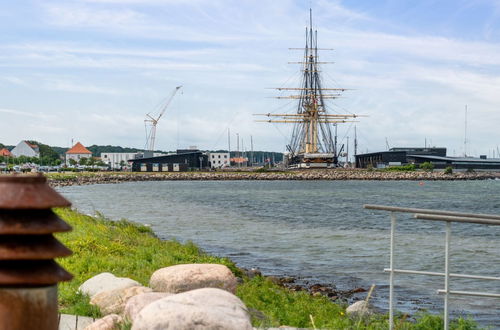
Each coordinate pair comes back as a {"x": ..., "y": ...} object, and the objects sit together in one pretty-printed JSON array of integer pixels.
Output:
[{"x": 28, "y": 273}]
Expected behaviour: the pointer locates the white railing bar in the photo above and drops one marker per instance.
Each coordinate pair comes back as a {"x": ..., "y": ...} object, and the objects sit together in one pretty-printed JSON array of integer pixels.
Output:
[
  {"x": 447, "y": 275},
  {"x": 419, "y": 272},
  {"x": 391, "y": 275},
  {"x": 447, "y": 218},
  {"x": 428, "y": 211},
  {"x": 471, "y": 293}
]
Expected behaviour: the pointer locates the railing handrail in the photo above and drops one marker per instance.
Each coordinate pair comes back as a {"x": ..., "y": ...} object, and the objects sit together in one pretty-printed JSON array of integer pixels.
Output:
[
  {"x": 430, "y": 211},
  {"x": 435, "y": 215}
]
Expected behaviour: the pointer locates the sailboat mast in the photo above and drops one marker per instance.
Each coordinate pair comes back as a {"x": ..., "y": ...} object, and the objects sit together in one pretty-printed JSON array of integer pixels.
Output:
[
  {"x": 312, "y": 142},
  {"x": 465, "y": 133}
]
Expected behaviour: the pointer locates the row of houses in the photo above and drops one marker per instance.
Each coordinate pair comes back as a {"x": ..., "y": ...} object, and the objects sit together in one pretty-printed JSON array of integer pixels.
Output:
[
  {"x": 26, "y": 149},
  {"x": 181, "y": 160}
]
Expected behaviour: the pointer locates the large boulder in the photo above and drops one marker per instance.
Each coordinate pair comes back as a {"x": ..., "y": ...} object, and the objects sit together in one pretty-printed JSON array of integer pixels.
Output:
[
  {"x": 181, "y": 278},
  {"x": 113, "y": 302},
  {"x": 110, "y": 322},
  {"x": 135, "y": 304},
  {"x": 360, "y": 309},
  {"x": 105, "y": 282},
  {"x": 206, "y": 308}
]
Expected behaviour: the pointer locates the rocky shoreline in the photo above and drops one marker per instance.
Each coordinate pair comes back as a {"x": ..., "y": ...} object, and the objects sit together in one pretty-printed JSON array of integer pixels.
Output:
[
  {"x": 336, "y": 174},
  {"x": 316, "y": 289}
]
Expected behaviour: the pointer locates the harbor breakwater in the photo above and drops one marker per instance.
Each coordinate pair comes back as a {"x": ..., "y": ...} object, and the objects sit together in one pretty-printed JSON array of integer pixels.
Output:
[{"x": 61, "y": 180}]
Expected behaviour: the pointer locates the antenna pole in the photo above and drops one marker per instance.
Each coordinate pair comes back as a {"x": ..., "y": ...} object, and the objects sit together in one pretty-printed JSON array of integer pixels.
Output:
[
  {"x": 355, "y": 141},
  {"x": 347, "y": 153},
  {"x": 465, "y": 133},
  {"x": 229, "y": 141},
  {"x": 251, "y": 148},
  {"x": 238, "y": 148}
]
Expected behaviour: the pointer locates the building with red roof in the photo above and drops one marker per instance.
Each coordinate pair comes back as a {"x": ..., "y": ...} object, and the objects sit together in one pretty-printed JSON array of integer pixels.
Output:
[
  {"x": 77, "y": 152},
  {"x": 24, "y": 148},
  {"x": 6, "y": 153}
]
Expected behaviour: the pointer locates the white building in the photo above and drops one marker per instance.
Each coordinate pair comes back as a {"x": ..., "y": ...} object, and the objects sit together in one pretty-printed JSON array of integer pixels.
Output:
[
  {"x": 116, "y": 159},
  {"x": 77, "y": 152},
  {"x": 218, "y": 159},
  {"x": 27, "y": 149}
]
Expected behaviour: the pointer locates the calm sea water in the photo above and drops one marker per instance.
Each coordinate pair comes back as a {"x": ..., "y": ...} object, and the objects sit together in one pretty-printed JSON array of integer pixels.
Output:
[{"x": 319, "y": 232}]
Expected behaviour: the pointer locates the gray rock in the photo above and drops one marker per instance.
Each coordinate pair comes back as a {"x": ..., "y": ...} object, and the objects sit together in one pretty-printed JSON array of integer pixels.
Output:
[
  {"x": 181, "y": 278},
  {"x": 105, "y": 282},
  {"x": 113, "y": 302},
  {"x": 360, "y": 309},
  {"x": 109, "y": 322},
  {"x": 135, "y": 304},
  {"x": 206, "y": 308}
]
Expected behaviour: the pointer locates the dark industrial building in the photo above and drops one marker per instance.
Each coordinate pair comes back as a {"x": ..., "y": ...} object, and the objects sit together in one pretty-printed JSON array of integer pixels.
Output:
[
  {"x": 417, "y": 156},
  {"x": 181, "y": 161},
  {"x": 481, "y": 163},
  {"x": 395, "y": 156}
]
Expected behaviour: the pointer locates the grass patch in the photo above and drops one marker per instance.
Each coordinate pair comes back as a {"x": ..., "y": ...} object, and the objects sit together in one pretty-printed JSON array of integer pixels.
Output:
[
  {"x": 119, "y": 247},
  {"x": 400, "y": 168},
  {"x": 132, "y": 250},
  {"x": 299, "y": 309}
]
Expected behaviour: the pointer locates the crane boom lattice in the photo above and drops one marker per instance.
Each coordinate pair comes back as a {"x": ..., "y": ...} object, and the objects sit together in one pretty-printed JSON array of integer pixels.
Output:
[{"x": 151, "y": 121}]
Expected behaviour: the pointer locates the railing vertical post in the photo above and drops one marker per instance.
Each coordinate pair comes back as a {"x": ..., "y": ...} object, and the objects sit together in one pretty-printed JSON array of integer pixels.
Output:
[
  {"x": 447, "y": 274},
  {"x": 391, "y": 275}
]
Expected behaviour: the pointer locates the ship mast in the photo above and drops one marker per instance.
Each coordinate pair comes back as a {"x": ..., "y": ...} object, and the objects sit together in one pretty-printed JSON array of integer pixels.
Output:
[{"x": 312, "y": 131}]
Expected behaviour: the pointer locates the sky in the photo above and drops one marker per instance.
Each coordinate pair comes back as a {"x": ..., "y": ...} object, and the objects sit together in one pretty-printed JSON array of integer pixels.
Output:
[{"x": 90, "y": 70}]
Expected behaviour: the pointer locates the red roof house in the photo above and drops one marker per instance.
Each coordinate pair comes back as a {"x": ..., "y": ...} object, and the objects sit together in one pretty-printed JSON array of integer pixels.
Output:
[
  {"x": 78, "y": 148},
  {"x": 77, "y": 152},
  {"x": 5, "y": 152}
]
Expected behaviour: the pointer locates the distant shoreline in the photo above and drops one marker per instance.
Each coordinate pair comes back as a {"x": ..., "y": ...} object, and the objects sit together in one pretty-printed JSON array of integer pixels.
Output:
[{"x": 85, "y": 178}]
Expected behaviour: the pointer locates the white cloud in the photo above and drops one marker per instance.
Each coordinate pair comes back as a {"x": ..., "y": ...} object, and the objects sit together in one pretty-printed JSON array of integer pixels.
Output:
[
  {"x": 17, "y": 113},
  {"x": 68, "y": 86},
  {"x": 77, "y": 15}
]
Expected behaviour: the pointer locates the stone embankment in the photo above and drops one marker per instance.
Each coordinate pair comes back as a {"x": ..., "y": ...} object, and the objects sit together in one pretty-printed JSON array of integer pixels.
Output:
[
  {"x": 185, "y": 296},
  {"x": 336, "y": 174},
  {"x": 190, "y": 296}
]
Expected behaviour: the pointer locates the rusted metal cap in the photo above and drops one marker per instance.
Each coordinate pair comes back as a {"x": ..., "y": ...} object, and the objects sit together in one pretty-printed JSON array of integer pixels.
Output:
[
  {"x": 28, "y": 192},
  {"x": 31, "y": 247},
  {"x": 31, "y": 222},
  {"x": 32, "y": 273}
]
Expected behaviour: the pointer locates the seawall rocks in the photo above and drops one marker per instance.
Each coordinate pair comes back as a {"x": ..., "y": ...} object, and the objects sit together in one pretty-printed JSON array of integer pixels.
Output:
[{"x": 331, "y": 174}]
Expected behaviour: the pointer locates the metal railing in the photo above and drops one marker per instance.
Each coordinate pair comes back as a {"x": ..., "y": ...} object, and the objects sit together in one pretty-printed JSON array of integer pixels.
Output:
[{"x": 436, "y": 215}]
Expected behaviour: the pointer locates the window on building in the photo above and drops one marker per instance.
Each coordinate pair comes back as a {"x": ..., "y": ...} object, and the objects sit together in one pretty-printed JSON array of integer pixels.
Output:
[
  {"x": 225, "y": 156},
  {"x": 219, "y": 156}
]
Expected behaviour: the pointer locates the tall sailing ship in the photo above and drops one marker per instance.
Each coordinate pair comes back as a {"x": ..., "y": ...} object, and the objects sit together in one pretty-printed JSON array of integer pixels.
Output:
[{"x": 313, "y": 143}]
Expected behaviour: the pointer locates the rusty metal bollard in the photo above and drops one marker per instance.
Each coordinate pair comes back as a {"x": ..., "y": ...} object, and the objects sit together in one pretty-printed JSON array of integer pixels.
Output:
[{"x": 28, "y": 273}]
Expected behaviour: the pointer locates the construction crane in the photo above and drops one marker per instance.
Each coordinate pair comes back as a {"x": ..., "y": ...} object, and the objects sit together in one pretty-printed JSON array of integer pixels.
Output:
[{"x": 151, "y": 122}]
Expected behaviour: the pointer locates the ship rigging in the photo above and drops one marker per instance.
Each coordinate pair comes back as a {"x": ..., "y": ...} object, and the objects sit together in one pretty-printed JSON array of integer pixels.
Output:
[{"x": 312, "y": 144}]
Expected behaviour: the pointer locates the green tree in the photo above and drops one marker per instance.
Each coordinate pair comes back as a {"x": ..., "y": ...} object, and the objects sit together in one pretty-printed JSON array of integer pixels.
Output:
[
  {"x": 427, "y": 166},
  {"x": 47, "y": 154},
  {"x": 84, "y": 161},
  {"x": 72, "y": 162}
]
